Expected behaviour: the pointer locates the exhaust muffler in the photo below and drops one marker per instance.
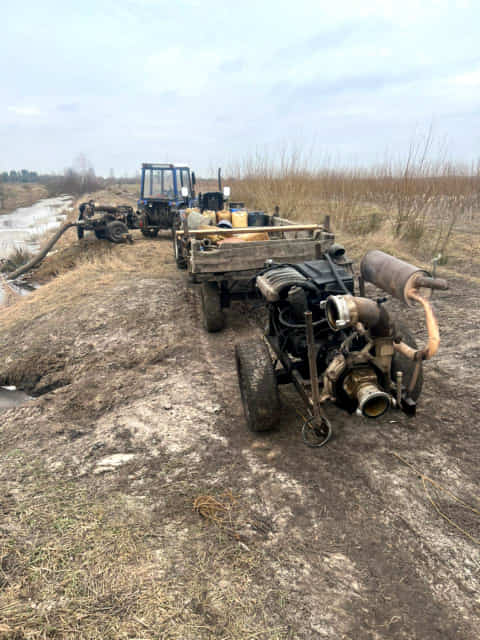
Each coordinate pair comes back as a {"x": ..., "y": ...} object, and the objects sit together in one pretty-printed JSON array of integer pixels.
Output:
[{"x": 398, "y": 278}]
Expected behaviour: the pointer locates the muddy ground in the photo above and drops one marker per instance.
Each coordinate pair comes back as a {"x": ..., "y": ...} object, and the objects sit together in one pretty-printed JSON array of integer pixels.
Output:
[{"x": 137, "y": 419}]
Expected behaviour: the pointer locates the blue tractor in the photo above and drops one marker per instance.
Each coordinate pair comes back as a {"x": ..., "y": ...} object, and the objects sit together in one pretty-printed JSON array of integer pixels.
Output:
[{"x": 165, "y": 190}]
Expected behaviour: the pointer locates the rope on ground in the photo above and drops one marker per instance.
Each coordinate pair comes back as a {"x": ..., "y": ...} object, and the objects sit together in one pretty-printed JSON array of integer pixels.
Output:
[
  {"x": 438, "y": 486},
  {"x": 212, "y": 509}
]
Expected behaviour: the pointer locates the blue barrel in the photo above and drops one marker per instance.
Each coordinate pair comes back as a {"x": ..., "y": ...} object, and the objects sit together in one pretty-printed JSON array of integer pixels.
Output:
[{"x": 258, "y": 219}]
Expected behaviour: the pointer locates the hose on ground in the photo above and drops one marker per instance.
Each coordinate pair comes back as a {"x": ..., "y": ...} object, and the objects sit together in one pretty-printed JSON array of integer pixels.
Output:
[{"x": 41, "y": 255}]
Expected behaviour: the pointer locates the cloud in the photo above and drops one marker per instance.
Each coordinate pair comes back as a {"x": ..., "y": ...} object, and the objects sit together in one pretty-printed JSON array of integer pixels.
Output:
[
  {"x": 69, "y": 107},
  {"x": 232, "y": 66},
  {"x": 25, "y": 111}
]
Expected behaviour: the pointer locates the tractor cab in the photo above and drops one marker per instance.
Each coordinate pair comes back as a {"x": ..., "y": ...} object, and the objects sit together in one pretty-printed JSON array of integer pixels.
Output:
[{"x": 165, "y": 188}]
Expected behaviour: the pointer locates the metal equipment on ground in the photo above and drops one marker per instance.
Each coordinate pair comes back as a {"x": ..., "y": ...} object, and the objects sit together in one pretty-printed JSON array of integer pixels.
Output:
[
  {"x": 333, "y": 344},
  {"x": 106, "y": 221}
]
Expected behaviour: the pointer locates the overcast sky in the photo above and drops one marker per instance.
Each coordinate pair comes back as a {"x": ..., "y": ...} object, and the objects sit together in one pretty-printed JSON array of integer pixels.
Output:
[{"x": 208, "y": 82}]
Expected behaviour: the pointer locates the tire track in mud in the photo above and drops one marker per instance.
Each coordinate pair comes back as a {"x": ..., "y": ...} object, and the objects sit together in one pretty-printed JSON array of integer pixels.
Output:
[{"x": 394, "y": 514}]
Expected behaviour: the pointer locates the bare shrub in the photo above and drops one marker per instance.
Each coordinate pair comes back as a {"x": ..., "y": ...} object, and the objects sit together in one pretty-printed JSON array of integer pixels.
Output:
[{"x": 419, "y": 200}]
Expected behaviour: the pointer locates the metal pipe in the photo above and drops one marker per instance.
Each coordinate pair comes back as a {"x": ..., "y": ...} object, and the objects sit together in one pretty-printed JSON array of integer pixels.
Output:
[
  {"x": 432, "y": 325},
  {"x": 433, "y": 333},
  {"x": 347, "y": 311},
  {"x": 395, "y": 276},
  {"x": 312, "y": 365}
]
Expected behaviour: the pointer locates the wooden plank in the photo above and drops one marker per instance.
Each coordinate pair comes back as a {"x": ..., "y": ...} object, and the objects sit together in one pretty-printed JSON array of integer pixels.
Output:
[
  {"x": 248, "y": 258},
  {"x": 200, "y": 233}
]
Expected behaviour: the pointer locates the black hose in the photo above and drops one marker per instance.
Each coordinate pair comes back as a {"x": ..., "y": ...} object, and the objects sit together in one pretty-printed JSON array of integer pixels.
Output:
[
  {"x": 336, "y": 275},
  {"x": 293, "y": 325},
  {"x": 41, "y": 255}
]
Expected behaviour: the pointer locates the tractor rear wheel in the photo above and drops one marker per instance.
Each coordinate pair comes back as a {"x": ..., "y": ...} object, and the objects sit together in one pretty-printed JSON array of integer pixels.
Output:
[
  {"x": 405, "y": 365},
  {"x": 258, "y": 385},
  {"x": 213, "y": 316},
  {"x": 116, "y": 231}
]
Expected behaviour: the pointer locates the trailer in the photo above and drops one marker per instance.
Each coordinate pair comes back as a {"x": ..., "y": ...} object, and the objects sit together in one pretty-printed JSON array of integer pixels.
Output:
[{"x": 226, "y": 270}]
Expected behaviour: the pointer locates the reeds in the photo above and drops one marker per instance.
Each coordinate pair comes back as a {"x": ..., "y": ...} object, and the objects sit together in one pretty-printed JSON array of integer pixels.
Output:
[{"x": 415, "y": 200}]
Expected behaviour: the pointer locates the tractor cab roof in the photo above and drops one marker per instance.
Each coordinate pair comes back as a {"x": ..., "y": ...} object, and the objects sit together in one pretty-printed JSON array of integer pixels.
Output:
[{"x": 163, "y": 165}]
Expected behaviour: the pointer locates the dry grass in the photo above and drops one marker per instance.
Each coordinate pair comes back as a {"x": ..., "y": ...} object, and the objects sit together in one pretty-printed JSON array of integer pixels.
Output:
[
  {"x": 81, "y": 562},
  {"x": 14, "y": 195},
  {"x": 18, "y": 257},
  {"x": 74, "y": 566},
  {"x": 419, "y": 204}
]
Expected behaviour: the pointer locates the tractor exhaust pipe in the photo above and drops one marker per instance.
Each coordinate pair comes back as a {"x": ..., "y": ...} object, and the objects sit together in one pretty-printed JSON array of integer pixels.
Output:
[
  {"x": 398, "y": 278},
  {"x": 409, "y": 284}
]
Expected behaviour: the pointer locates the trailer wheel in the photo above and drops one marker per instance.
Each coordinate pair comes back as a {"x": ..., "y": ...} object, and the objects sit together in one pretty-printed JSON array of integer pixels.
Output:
[
  {"x": 179, "y": 258},
  {"x": 116, "y": 231},
  {"x": 213, "y": 316},
  {"x": 405, "y": 365},
  {"x": 258, "y": 385}
]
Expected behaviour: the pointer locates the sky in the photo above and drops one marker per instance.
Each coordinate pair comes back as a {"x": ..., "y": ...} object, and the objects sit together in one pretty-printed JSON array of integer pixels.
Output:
[{"x": 210, "y": 82}]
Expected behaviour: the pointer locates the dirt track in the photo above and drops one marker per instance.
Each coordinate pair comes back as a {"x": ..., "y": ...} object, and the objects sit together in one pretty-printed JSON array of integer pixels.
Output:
[{"x": 342, "y": 542}]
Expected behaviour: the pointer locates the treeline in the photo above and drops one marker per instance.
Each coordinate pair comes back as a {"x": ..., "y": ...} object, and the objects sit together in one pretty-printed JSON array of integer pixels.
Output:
[
  {"x": 19, "y": 176},
  {"x": 72, "y": 182}
]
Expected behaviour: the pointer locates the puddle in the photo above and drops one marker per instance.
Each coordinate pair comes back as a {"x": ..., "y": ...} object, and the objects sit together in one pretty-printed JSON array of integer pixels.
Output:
[
  {"x": 12, "y": 397},
  {"x": 23, "y": 228}
]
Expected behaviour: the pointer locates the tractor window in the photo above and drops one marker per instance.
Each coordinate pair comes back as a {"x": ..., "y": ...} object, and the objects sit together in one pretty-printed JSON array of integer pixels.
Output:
[
  {"x": 179, "y": 180},
  {"x": 186, "y": 179},
  {"x": 158, "y": 183}
]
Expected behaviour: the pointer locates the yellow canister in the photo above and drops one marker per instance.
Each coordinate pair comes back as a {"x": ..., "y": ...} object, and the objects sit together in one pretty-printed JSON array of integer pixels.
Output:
[
  {"x": 225, "y": 214},
  {"x": 239, "y": 219}
]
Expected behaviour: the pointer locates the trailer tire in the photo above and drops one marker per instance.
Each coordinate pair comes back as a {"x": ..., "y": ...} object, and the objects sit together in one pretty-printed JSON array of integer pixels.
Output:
[
  {"x": 213, "y": 316},
  {"x": 179, "y": 259},
  {"x": 404, "y": 364},
  {"x": 116, "y": 230},
  {"x": 258, "y": 385}
]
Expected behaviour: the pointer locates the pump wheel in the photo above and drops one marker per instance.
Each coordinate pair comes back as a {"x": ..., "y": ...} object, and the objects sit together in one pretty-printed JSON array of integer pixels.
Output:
[
  {"x": 116, "y": 231},
  {"x": 213, "y": 316},
  {"x": 258, "y": 385},
  {"x": 405, "y": 365}
]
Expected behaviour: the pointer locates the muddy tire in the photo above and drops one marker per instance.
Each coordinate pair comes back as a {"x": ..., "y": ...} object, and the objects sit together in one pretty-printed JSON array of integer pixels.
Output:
[
  {"x": 213, "y": 316},
  {"x": 258, "y": 385},
  {"x": 115, "y": 231},
  {"x": 405, "y": 365},
  {"x": 179, "y": 259}
]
